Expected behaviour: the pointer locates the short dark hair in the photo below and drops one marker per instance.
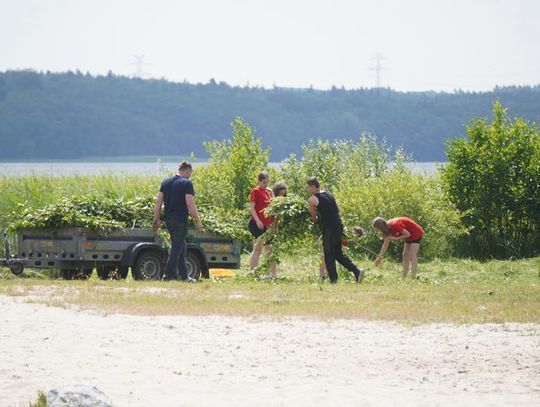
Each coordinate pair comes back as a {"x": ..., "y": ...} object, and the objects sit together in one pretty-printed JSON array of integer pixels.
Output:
[
  {"x": 262, "y": 176},
  {"x": 313, "y": 182},
  {"x": 184, "y": 165}
]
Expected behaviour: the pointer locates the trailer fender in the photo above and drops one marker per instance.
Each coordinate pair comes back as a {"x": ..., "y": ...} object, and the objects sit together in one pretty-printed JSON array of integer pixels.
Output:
[
  {"x": 130, "y": 255},
  {"x": 195, "y": 248}
]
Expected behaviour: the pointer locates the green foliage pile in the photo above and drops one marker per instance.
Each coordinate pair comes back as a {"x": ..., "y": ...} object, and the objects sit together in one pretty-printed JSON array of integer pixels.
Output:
[
  {"x": 98, "y": 214},
  {"x": 292, "y": 226},
  {"x": 226, "y": 223},
  {"x": 493, "y": 178}
]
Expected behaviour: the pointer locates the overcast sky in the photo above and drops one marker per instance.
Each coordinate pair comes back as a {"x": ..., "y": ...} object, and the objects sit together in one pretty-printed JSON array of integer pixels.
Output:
[{"x": 426, "y": 44}]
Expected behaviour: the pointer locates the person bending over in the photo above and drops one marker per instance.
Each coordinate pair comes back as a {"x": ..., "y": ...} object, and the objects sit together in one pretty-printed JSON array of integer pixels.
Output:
[{"x": 401, "y": 228}]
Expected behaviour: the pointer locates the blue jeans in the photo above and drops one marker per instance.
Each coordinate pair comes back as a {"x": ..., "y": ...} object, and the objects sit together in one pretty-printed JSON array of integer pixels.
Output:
[{"x": 177, "y": 255}]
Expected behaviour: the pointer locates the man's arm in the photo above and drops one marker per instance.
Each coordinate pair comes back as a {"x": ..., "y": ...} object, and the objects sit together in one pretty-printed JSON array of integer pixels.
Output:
[
  {"x": 157, "y": 213},
  {"x": 192, "y": 208},
  {"x": 313, "y": 202}
]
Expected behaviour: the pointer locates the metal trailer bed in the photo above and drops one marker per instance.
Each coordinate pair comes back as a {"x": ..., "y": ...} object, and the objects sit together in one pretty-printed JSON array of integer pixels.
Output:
[{"x": 77, "y": 251}]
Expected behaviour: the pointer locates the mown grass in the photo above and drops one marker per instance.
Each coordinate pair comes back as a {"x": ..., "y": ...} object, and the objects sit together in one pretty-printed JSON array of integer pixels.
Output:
[{"x": 459, "y": 291}]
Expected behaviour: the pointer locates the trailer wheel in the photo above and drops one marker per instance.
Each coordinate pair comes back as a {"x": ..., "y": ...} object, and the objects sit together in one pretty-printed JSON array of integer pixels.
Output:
[
  {"x": 76, "y": 274},
  {"x": 194, "y": 267},
  {"x": 16, "y": 268},
  {"x": 112, "y": 272},
  {"x": 148, "y": 266}
]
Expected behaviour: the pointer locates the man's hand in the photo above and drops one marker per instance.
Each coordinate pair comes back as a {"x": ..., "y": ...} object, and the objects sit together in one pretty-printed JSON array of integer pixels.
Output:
[
  {"x": 155, "y": 225},
  {"x": 377, "y": 261},
  {"x": 259, "y": 224},
  {"x": 200, "y": 226}
]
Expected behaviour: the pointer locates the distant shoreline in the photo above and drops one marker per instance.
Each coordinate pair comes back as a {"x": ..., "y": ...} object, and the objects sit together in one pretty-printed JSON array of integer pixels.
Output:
[{"x": 150, "y": 168}]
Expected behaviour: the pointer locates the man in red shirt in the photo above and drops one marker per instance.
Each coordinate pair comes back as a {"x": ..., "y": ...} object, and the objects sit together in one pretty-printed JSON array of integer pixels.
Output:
[
  {"x": 401, "y": 228},
  {"x": 259, "y": 199}
]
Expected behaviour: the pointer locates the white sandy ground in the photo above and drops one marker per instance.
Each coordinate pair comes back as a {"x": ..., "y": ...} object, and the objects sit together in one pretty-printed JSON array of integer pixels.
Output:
[{"x": 228, "y": 361}]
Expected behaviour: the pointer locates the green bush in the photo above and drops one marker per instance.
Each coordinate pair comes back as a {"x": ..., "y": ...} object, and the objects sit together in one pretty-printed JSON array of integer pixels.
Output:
[
  {"x": 233, "y": 168},
  {"x": 368, "y": 182},
  {"x": 399, "y": 192},
  {"x": 493, "y": 178}
]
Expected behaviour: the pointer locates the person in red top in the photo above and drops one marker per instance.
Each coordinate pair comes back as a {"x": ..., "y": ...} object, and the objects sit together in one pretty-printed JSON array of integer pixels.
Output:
[
  {"x": 401, "y": 228},
  {"x": 259, "y": 199}
]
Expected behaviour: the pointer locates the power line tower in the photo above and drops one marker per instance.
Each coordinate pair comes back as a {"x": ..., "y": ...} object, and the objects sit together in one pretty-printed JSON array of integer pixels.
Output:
[
  {"x": 139, "y": 63},
  {"x": 378, "y": 68}
]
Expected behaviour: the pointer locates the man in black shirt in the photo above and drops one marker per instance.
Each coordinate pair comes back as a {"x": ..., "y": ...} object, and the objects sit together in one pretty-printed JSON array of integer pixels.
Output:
[
  {"x": 323, "y": 208},
  {"x": 177, "y": 193}
]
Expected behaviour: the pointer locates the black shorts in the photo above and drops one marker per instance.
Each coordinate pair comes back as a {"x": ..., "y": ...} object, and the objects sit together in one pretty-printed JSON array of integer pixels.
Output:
[
  {"x": 414, "y": 241},
  {"x": 254, "y": 230}
]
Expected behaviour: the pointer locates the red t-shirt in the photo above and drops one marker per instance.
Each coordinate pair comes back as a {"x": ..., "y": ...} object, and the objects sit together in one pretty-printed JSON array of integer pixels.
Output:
[
  {"x": 261, "y": 197},
  {"x": 397, "y": 225}
]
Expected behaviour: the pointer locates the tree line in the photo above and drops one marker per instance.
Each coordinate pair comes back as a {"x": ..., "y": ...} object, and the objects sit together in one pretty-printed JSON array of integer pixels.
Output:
[{"x": 73, "y": 115}]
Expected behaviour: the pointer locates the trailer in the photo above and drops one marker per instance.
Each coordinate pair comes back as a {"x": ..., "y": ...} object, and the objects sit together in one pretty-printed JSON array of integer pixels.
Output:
[{"x": 76, "y": 252}]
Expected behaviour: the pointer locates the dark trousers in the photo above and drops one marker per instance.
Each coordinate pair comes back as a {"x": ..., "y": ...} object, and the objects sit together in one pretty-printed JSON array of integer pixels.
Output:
[
  {"x": 177, "y": 255},
  {"x": 333, "y": 251}
]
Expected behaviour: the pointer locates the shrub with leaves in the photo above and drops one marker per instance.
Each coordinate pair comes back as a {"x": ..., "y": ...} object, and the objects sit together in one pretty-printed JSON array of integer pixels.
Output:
[{"x": 493, "y": 178}]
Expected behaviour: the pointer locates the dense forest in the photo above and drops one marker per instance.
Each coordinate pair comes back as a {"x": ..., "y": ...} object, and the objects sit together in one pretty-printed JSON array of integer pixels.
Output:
[{"x": 74, "y": 115}]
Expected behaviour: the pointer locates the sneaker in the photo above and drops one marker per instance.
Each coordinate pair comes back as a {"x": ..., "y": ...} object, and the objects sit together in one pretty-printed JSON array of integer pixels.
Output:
[
  {"x": 266, "y": 277},
  {"x": 360, "y": 277},
  {"x": 190, "y": 280}
]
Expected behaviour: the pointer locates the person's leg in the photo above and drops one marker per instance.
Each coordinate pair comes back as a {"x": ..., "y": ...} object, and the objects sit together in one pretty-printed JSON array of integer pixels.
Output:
[
  {"x": 177, "y": 230},
  {"x": 406, "y": 259},
  {"x": 182, "y": 265},
  {"x": 322, "y": 267},
  {"x": 346, "y": 262},
  {"x": 273, "y": 265},
  {"x": 256, "y": 254},
  {"x": 329, "y": 255},
  {"x": 413, "y": 254}
]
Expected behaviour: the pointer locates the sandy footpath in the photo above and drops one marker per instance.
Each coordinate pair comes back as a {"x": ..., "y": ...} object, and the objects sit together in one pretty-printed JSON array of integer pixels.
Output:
[{"x": 225, "y": 361}]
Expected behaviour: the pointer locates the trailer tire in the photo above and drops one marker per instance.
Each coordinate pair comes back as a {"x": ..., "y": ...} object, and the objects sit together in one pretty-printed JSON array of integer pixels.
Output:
[
  {"x": 16, "y": 268},
  {"x": 148, "y": 266},
  {"x": 112, "y": 272},
  {"x": 194, "y": 265}
]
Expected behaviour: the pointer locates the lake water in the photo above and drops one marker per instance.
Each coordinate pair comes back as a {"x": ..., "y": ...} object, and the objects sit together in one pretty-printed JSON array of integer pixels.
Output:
[{"x": 141, "y": 168}]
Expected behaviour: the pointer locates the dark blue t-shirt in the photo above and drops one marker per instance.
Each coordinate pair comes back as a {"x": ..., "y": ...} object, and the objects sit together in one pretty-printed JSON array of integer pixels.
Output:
[{"x": 174, "y": 196}]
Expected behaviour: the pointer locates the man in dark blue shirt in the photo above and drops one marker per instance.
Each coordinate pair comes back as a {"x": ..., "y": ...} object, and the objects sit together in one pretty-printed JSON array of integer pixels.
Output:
[{"x": 177, "y": 194}]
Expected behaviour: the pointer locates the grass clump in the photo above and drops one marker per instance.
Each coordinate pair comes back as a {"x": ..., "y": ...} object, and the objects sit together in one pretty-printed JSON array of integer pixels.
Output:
[{"x": 40, "y": 402}]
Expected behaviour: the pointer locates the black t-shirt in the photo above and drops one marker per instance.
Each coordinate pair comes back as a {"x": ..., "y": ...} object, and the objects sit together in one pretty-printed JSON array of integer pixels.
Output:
[
  {"x": 174, "y": 191},
  {"x": 328, "y": 211}
]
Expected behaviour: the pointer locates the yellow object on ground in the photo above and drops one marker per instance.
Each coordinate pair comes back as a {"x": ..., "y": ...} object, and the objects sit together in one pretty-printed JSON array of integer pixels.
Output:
[{"x": 221, "y": 273}]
